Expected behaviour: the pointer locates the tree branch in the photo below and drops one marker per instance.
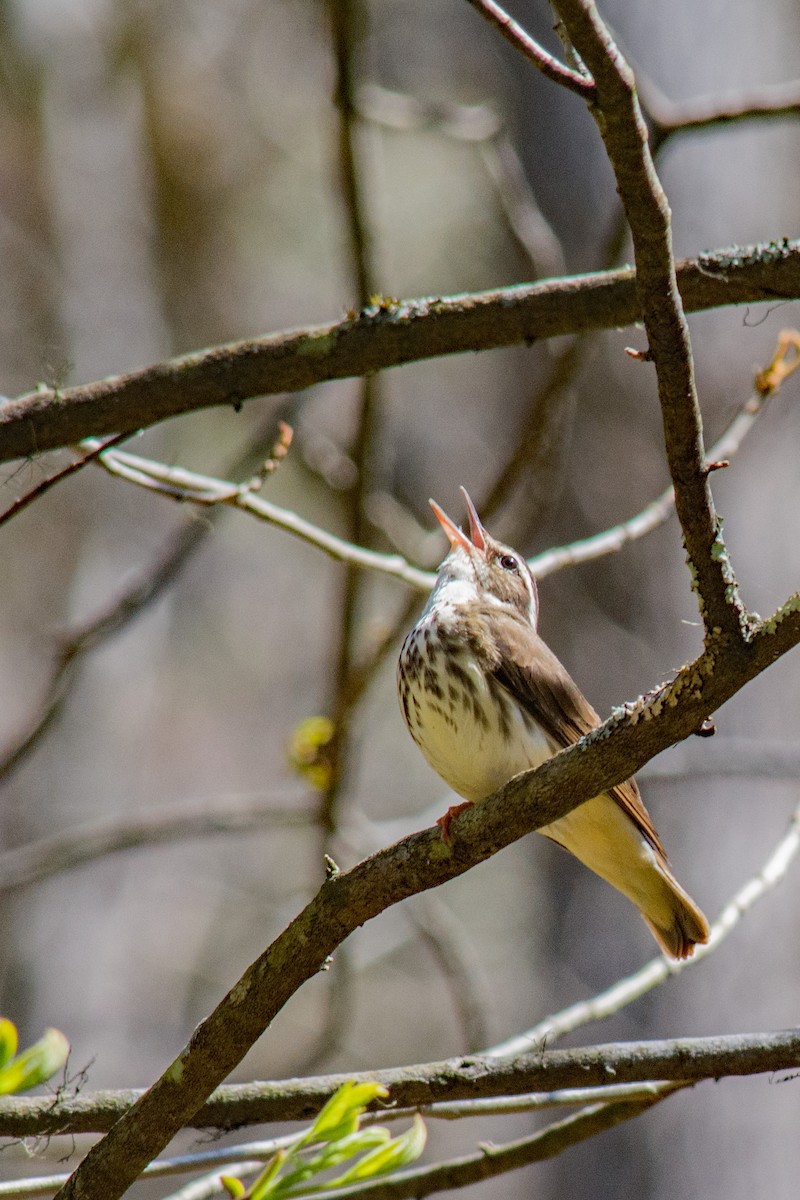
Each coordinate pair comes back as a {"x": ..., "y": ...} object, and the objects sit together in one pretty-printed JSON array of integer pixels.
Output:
[
  {"x": 47, "y": 856},
  {"x": 422, "y": 861},
  {"x": 383, "y": 335},
  {"x": 513, "y": 32},
  {"x": 622, "y": 127},
  {"x": 461, "y": 1079}
]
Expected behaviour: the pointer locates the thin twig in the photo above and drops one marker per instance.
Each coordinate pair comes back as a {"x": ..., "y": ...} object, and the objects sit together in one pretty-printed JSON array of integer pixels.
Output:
[
  {"x": 659, "y": 510},
  {"x": 52, "y": 480},
  {"x": 669, "y": 118},
  {"x": 658, "y": 970},
  {"x": 513, "y": 32},
  {"x": 446, "y": 939},
  {"x": 194, "y": 488},
  {"x": 77, "y": 642}
]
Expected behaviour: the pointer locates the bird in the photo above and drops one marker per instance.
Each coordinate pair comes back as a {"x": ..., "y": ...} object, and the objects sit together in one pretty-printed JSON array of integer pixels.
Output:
[{"x": 484, "y": 698}]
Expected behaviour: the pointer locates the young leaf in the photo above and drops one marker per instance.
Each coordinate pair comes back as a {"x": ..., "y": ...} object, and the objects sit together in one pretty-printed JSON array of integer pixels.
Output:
[
  {"x": 346, "y": 1147},
  {"x": 267, "y": 1181},
  {"x": 9, "y": 1040},
  {"x": 36, "y": 1064},
  {"x": 397, "y": 1153},
  {"x": 340, "y": 1115},
  {"x": 233, "y": 1186}
]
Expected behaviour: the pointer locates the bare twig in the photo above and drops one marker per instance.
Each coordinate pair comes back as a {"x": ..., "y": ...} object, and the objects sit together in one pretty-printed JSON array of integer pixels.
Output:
[
  {"x": 670, "y": 117},
  {"x": 767, "y": 383},
  {"x": 482, "y": 126},
  {"x": 194, "y": 488},
  {"x": 382, "y": 336},
  {"x": 76, "y": 643},
  {"x": 444, "y": 936},
  {"x": 64, "y": 473},
  {"x": 536, "y": 54}
]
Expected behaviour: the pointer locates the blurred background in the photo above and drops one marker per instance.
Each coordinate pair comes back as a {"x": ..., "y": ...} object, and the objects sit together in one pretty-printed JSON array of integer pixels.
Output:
[{"x": 171, "y": 176}]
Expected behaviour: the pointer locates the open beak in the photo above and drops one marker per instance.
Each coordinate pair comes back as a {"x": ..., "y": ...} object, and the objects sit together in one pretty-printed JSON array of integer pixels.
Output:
[{"x": 455, "y": 536}]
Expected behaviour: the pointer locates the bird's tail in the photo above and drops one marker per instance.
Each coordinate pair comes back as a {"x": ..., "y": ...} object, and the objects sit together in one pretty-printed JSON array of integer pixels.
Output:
[{"x": 605, "y": 839}]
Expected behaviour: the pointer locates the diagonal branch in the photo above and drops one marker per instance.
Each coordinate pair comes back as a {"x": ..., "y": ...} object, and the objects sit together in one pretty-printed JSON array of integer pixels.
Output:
[
  {"x": 382, "y": 335},
  {"x": 422, "y": 861},
  {"x": 624, "y": 134},
  {"x": 545, "y": 62}
]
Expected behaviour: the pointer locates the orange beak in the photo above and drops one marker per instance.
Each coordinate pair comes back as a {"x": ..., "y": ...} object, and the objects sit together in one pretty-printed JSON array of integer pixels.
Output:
[{"x": 455, "y": 536}]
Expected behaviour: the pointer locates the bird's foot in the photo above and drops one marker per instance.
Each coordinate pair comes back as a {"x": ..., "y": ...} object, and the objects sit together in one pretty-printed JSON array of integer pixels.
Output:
[{"x": 445, "y": 821}]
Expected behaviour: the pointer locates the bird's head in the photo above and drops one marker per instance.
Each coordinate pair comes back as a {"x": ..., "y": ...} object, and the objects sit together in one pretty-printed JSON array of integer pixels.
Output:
[{"x": 498, "y": 574}]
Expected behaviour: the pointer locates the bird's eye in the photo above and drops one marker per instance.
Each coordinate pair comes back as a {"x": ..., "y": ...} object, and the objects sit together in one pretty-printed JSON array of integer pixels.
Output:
[{"x": 509, "y": 563}]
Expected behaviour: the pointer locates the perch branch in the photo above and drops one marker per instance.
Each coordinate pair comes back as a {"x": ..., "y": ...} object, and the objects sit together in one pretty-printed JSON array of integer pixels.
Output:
[{"x": 422, "y": 861}]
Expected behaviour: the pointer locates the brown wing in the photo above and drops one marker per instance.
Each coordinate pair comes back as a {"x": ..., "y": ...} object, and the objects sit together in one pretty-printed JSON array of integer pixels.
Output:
[{"x": 529, "y": 670}]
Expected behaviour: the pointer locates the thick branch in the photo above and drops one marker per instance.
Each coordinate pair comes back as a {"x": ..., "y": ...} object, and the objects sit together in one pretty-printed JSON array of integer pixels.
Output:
[
  {"x": 419, "y": 862},
  {"x": 463, "y": 1078},
  {"x": 382, "y": 336}
]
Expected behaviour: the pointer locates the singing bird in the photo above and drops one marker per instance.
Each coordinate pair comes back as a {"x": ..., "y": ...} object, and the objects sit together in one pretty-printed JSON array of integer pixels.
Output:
[{"x": 484, "y": 698}]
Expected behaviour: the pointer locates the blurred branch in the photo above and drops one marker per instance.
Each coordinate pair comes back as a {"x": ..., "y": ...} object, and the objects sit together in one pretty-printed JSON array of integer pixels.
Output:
[
  {"x": 88, "y": 842},
  {"x": 57, "y": 477},
  {"x": 75, "y": 644},
  {"x": 624, "y": 134},
  {"x": 475, "y": 1078},
  {"x": 345, "y": 17},
  {"x": 658, "y": 970},
  {"x": 482, "y": 126},
  {"x": 337, "y": 1016},
  {"x": 422, "y": 861},
  {"x": 385, "y": 334},
  {"x": 580, "y": 84},
  {"x": 443, "y": 934},
  {"x": 670, "y": 117},
  {"x": 532, "y": 449}
]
